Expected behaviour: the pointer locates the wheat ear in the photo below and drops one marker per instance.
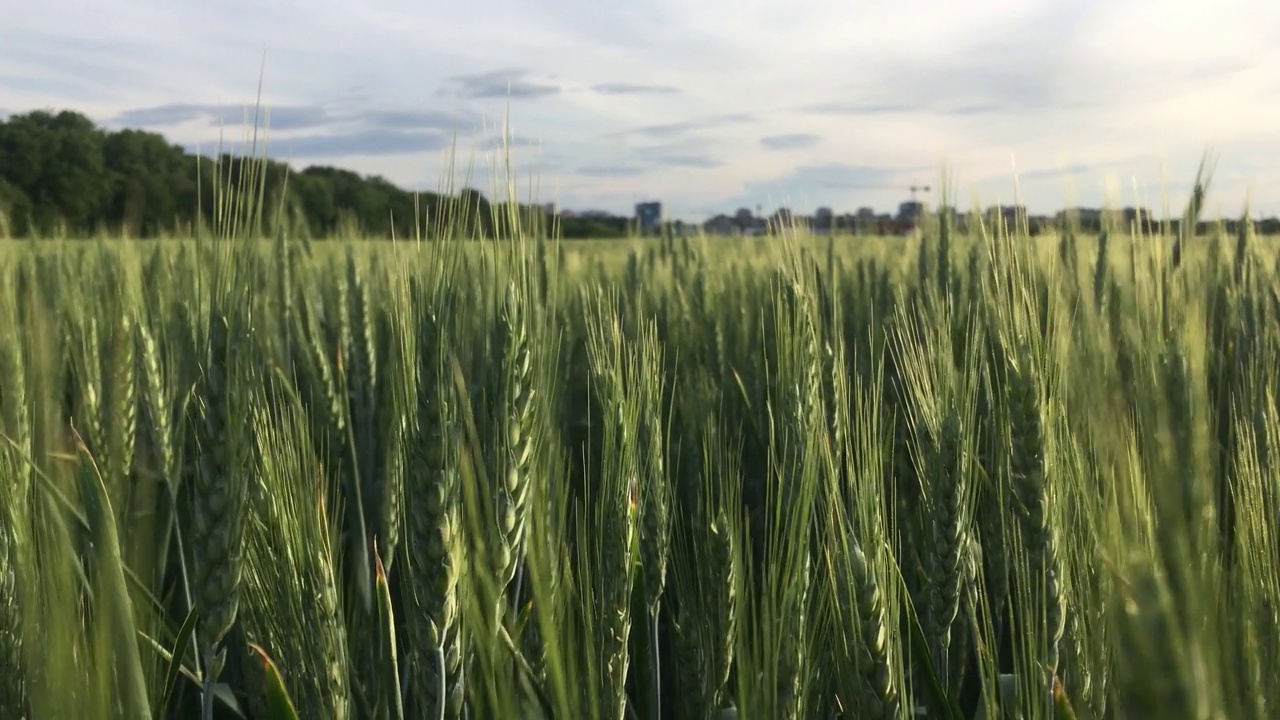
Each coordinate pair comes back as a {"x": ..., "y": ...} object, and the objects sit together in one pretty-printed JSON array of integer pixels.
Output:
[{"x": 435, "y": 548}]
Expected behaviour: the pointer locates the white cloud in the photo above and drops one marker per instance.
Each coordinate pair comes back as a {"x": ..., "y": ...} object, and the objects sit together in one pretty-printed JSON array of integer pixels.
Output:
[{"x": 705, "y": 105}]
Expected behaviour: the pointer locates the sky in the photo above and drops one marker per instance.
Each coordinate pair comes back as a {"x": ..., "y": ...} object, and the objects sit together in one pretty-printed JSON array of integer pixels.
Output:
[{"x": 706, "y": 106}]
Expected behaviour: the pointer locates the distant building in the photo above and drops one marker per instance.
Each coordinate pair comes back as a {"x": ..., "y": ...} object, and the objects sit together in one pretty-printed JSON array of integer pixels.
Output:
[
  {"x": 1137, "y": 214},
  {"x": 720, "y": 225},
  {"x": 823, "y": 221},
  {"x": 910, "y": 211},
  {"x": 748, "y": 223},
  {"x": 1010, "y": 215},
  {"x": 864, "y": 222},
  {"x": 780, "y": 220},
  {"x": 1086, "y": 217},
  {"x": 1141, "y": 217},
  {"x": 649, "y": 216}
]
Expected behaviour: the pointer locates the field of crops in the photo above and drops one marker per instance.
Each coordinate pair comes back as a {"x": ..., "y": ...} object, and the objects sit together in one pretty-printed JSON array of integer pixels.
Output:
[{"x": 488, "y": 479}]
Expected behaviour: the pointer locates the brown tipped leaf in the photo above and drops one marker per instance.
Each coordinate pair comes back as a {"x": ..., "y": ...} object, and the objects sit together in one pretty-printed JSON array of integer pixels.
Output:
[{"x": 276, "y": 701}]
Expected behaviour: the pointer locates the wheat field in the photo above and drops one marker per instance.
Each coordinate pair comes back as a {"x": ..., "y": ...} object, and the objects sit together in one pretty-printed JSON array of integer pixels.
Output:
[{"x": 963, "y": 477}]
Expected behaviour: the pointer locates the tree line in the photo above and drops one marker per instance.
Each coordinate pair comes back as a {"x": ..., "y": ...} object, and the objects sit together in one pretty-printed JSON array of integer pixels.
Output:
[{"x": 61, "y": 175}]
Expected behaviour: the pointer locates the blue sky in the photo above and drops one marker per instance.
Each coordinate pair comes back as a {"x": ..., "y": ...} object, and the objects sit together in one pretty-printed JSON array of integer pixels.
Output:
[{"x": 707, "y": 106}]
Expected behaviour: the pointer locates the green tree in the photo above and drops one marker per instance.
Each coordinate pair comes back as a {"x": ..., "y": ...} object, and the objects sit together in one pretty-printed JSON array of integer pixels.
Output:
[
  {"x": 57, "y": 162},
  {"x": 60, "y": 168}
]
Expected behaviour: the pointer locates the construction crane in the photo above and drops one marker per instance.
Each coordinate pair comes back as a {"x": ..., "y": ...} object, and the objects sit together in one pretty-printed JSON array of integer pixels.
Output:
[
  {"x": 913, "y": 189},
  {"x": 902, "y": 224}
]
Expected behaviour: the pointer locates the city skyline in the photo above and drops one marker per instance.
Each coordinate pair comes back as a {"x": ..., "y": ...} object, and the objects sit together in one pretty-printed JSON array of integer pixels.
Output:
[{"x": 709, "y": 107}]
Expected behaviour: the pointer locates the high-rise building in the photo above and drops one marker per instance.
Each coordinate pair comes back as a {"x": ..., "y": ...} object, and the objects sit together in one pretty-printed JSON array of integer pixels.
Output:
[
  {"x": 649, "y": 216},
  {"x": 910, "y": 211},
  {"x": 823, "y": 220}
]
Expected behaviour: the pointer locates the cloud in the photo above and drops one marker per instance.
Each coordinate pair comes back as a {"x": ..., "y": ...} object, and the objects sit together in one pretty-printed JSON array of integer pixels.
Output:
[
  {"x": 162, "y": 115},
  {"x": 1009, "y": 70},
  {"x": 612, "y": 170},
  {"x": 365, "y": 142},
  {"x": 44, "y": 62},
  {"x": 514, "y": 141},
  {"x": 967, "y": 86},
  {"x": 634, "y": 89},
  {"x": 505, "y": 83},
  {"x": 668, "y": 130},
  {"x": 688, "y": 161},
  {"x": 855, "y": 107},
  {"x": 39, "y": 85},
  {"x": 791, "y": 141},
  {"x": 419, "y": 119},
  {"x": 295, "y": 117},
  {"x": 281, "y": 118},
  {"x": 1076, "y": 170}
]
